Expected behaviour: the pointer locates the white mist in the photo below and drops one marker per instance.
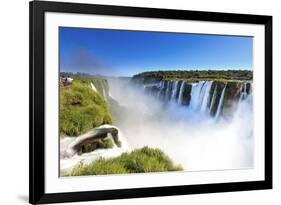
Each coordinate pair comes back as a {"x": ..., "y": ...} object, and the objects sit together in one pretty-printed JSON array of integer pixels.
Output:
[{"x": 190, "y": 137}]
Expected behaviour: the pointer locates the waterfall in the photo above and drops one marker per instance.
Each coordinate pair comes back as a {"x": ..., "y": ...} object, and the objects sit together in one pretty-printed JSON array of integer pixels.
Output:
[
  {"x": 201, "y": 95},
  {"x": 160, "y": 86},
  {"x": 181, "y": 93},
  {"x": 206, "y": 95},
  {"x": 213, "y": 99},
  {"x": 174, "y": 91},
  {"x": 168, "y": 89},
  {"x": 244, "y": 96},
  {"x": 100, "y": 86},
  {"x": 243, "y": 92},
  {"x": 195, "y": 95},
  {"x": 93, "y": 87},
  {"x": 104, "y": 93},
  {"x": 220, "y": 103},
  {"x": 191, "y": 138}
]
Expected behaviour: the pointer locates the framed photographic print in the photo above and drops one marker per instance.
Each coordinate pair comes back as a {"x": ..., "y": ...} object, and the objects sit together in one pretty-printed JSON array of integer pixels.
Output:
[{"x": 140, "y": 102}]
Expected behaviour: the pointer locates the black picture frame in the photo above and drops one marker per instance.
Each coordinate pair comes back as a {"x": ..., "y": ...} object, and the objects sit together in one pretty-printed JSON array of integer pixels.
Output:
[{"x": 37, "y": 11}]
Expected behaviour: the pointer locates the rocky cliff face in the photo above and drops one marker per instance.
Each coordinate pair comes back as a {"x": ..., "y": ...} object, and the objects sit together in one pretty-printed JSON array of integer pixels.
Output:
[{"x": 217, "y": 98}]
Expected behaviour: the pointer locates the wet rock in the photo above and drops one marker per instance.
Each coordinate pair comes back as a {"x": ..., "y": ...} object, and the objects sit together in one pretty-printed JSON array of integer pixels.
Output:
[
  {"x": 248, "y": 88},
  {"x": 186, "y": 95},
  {"x": 93, "y": 139}
]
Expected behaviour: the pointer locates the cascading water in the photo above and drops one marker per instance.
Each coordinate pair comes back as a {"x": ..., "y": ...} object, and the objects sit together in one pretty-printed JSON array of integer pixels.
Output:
[
  {"x": 243, "y": 92},
  {"x": 174, "y": 91},
  {"x": 219, "y": 109},
  {"x": 195, "y": 95},
  {"x": 100, "y": 87},
  {"x": 195, "y": 140},
  {"x": 206, "y": 95},
  {"x": 213, "y": 99},
  {"x": 93, "y": 87},
  {"x": 168, "y": 90},
  {"x": 200, "y": 97},
  {"x": 104, "y": 93},
  {"x": 160, "y": 86},
  {"x": 181, "y": 92}
]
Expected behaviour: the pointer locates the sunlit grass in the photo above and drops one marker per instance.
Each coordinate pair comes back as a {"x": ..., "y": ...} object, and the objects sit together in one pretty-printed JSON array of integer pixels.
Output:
[
  {"x": 81, "y": 109},
  {"x": 138, "y": 161}
]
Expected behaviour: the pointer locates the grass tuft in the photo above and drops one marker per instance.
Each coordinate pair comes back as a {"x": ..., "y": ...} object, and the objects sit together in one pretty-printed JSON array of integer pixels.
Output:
[{"x": 138, "y": 161}]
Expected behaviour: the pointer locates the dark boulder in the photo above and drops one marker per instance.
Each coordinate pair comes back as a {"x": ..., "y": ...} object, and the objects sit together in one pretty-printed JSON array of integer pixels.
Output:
[
  {"x": 186, "y": 94},
  {"x": 95, "y": 138}
]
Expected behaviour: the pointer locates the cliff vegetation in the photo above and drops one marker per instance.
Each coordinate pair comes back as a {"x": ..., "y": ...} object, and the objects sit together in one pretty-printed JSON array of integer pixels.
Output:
[{"x": 81, "y": 109}]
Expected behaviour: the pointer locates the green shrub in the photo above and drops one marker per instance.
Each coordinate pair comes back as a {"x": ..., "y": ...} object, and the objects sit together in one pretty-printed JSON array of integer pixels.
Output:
[
  {"x": 106, "y": 143},
  {"x": 107, "y": 119},
  {"x": 81, "y": 109},
  {"x": 138, "y": 161},
  {"x": 100, "y": 167}
]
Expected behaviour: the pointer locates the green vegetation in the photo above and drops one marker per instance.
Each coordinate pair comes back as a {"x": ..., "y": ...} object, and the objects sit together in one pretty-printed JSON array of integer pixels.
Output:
[
  {"x": 227, "y": 75},
  {"x": 81, "y": 109},
  {"x": 99, "y": 82},
  {"x": 100, "y": 144},
  {"x": 138, "y": 161}
]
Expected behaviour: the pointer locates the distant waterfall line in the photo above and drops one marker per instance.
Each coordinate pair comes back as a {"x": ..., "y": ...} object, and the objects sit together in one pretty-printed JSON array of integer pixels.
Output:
[{"x": 206, "y": 97}]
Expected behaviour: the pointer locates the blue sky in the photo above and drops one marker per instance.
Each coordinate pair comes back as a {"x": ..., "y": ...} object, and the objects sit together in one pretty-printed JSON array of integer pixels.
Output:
[{"x": 125, "y": 53}]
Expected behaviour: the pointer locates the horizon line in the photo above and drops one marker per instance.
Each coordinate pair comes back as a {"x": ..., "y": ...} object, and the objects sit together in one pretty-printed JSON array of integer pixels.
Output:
[{"x": 105, "y": 75}]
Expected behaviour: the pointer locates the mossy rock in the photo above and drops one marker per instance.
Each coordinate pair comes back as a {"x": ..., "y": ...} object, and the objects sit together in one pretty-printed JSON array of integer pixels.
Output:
[{"x": 98, "y": 144}]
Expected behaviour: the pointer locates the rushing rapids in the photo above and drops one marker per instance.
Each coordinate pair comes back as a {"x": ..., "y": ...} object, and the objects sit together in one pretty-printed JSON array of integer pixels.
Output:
[{"x": 214, "y": 98}]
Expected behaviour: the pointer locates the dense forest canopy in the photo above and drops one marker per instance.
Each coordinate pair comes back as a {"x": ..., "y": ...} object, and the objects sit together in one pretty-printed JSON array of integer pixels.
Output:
[{"x": 198, "y": 74}]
